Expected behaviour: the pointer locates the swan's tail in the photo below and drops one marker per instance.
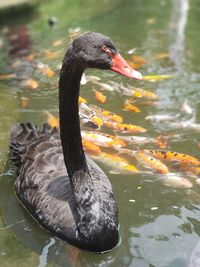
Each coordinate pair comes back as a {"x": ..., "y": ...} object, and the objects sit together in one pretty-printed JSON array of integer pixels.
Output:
[{"x": 23, "y": 134}]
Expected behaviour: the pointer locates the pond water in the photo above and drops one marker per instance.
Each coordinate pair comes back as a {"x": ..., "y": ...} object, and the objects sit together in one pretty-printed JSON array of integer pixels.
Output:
[{"x": 159, "y": 224}]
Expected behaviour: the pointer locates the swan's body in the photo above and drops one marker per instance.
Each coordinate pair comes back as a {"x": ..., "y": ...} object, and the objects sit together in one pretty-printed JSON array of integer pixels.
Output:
[{"x": 62, "y": 188}]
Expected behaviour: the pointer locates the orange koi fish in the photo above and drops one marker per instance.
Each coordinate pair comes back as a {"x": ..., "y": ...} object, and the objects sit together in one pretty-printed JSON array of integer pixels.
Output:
[
  {"x": 52, "y": 54},
  {"x": 119, "y": 164},
  {"x": 32, "y": 84},
  {"x": 125, "y": 128},
  {"x": 174, "y": 157},
  {"x": 137, "y": 62},
  {"x": 146, "y": 160},
  {"x": 58, "y": 42},
  {"x": 52, "y": 120},
  {"x": 107, "y": 115},
  {"x": 7, "y": 76},
  {"x": 24, "y": 101},
  {"x": 103, "y": 139},
  {"x": 91, "y": 148},
  {"x": 129, "y": 107},
  {"x": 45, "y": 70},
  {"x": 99, "y": 96}
]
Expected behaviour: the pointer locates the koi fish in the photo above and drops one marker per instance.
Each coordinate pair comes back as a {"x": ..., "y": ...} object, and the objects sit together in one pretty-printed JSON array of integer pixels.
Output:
[
  {"x": 139, "y": 93},
  {"x": 171, "y": 179},
  {"x": 104, "y": 86},
  {"x": 186, "y": 108},
  {"x": 99, "y": 96},
  {"x": 137, "y": 140},
  {"x": 45, "y": 70},
  {"x": 85, "y": 110},
  {"x": 154, "y": 78},
  {"x": 174, "y": 157},
  {"x": 188, "y": 125},
  {"x": 24, "y": 101},
  {"x": 107, "y": 115},
  {"x": 195, "y": 171},
  {"x": 125, "y": 128},
  {"x": 91, "y": 148},
  {"x": 161, "y": 117},
  {"x": 92, "y": 78},
  {"x": 52, "y": 54},
  {"x": 32, "y": 84},
  {"x": 137, "y": 62},
  {"x": 58, "y": 42},
  {"x": 130, "y": 107},
  {"x": 7, "y": 76},
  {"x": 103, "y": 139},
  {"x": 117, "y": 163},
  {"x": 52, "y": 120},
  {"x": 146, "y": 160},
  {"x": 82, "y": 100}
]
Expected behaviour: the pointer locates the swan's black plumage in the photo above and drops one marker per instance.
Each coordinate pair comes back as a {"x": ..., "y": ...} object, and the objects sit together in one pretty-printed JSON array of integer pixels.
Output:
[{"x": 77, "y": 204}]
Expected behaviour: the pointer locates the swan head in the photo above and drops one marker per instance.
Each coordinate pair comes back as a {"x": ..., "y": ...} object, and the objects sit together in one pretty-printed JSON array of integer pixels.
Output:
[{"x": 94, "y": 50}]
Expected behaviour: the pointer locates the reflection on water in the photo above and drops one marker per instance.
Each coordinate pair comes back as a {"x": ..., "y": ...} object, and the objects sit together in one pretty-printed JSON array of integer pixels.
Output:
[{"x": 159, "y": 225}]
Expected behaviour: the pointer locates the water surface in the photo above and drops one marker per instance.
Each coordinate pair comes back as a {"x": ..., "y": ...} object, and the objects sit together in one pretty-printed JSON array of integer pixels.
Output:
[{"x": 160, "y": 226}]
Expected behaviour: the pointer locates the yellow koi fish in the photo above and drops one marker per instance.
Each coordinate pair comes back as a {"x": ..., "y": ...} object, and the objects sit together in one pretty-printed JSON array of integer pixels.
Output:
[
  {"x": 125, "y": 128},
  {"x": 174, "y": 157},
  {"x": 142, "y": 93},
  {"x": 146, "y": 160},
  {"x": 103, "y": 139},
  {"x": 154, "y": 78},
  {"x": 107, "y": 115},
  {"x": 117, "y": 163},
  {"x": 82, "y": 100},
  {"x": 99, "y": 96}
]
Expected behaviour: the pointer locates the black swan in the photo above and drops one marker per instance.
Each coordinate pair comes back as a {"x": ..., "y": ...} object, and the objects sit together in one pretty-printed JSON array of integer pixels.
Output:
[{"x": 77, "y": 204}]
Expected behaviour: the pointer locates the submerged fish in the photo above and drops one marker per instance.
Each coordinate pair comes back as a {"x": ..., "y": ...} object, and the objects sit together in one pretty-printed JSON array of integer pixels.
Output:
[
  {"x": 146, "y": 160},
  {"x": 107, "y": 115},
  {"x": 52, "y": 120},
  {"x": 154, "y": 78},
  {"x": 129, "y": 107},
  {"x": 138, "y": 92},
  {"x": 32, "y": 84},
  {"x": 91, "y": 148},
  {"x": 99, "y": 96},
  {"x": 117, "y": 163},
  {"x": 171, "y": 179},
  {"x": 125, "y": 128},
  {"x": 103, "y": 139},
  {"x": 174, "y": 157},
  {"x": 161, "y": 117},
  {"x": 104, "y": 86},
  {"x": 137, "y": 140},
  {"x": 186, "y": 108}
]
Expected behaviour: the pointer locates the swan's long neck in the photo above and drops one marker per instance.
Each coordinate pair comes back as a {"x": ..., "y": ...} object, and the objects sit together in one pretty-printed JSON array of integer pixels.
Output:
[{"x": 81, "y": 183}]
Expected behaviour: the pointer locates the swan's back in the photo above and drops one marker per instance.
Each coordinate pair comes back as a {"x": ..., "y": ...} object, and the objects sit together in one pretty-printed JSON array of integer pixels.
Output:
[{"x": 42, "y": 183}]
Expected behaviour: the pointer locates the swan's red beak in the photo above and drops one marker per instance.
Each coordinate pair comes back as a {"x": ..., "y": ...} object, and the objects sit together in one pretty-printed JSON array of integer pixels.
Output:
[{"x": 122, "y": 67}]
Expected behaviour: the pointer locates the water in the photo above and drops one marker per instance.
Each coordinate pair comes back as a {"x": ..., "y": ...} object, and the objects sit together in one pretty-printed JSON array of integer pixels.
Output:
[{"x": 160, "y": 225}]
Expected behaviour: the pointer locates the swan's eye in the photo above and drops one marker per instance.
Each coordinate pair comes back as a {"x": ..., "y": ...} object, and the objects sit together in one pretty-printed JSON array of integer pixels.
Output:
[{"x": 106, "y": 49}]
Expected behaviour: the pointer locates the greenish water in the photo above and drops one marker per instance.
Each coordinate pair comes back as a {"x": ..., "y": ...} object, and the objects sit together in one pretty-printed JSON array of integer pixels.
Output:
[{"x": 162, "y": 226}]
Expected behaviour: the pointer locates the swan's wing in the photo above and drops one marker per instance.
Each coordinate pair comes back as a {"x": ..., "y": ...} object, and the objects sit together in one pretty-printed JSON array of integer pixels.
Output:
[{"x": 43, "y": 184}]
